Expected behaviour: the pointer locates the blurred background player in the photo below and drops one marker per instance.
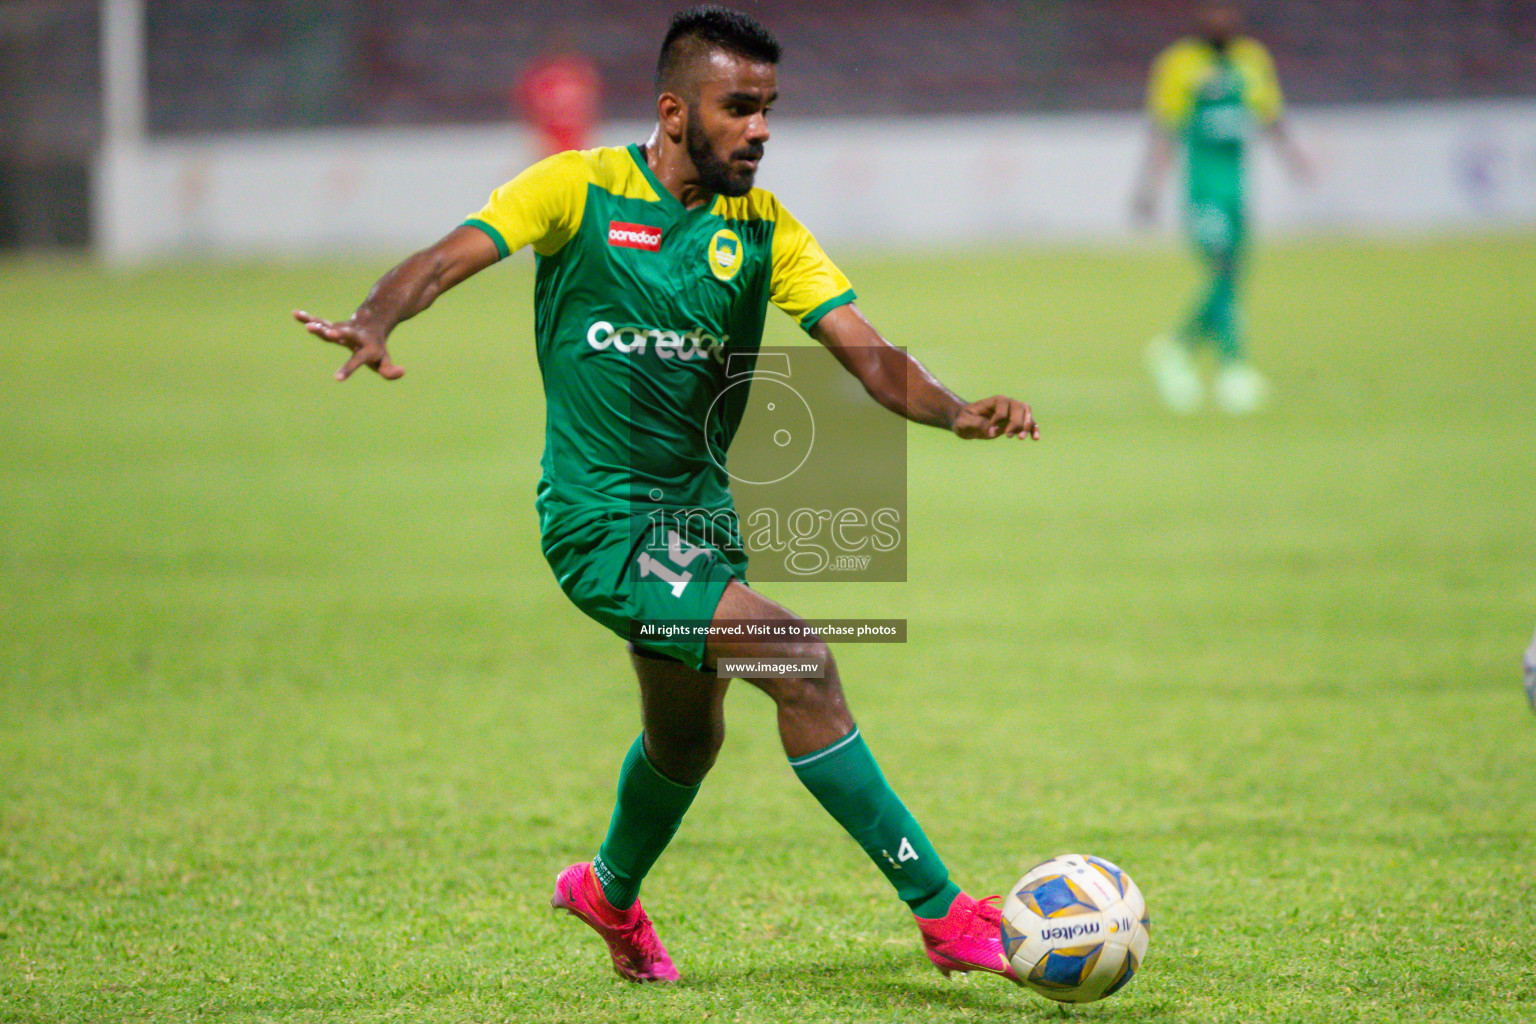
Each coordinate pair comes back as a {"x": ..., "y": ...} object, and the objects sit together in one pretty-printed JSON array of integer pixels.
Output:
[
  {"x": 1207, "y": 94},
  {"x": 560, "y": 93}
]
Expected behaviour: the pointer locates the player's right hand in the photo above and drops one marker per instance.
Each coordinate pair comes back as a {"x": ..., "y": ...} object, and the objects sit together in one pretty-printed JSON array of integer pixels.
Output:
[{"x": 367, "y": 346}]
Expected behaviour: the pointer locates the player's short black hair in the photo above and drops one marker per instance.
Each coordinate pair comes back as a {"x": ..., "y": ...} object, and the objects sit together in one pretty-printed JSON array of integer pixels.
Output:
[{"x": 711, "y": 27}]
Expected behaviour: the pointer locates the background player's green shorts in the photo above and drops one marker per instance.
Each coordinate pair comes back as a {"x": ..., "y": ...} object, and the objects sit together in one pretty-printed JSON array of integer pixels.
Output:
[
  {"x": 1217, "y": 228},
  {"x": 626, "y": 571}
]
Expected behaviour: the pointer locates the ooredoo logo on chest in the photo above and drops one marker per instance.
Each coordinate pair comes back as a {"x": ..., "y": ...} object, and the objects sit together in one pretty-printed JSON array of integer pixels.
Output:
[{"x": 634, "y": 236}]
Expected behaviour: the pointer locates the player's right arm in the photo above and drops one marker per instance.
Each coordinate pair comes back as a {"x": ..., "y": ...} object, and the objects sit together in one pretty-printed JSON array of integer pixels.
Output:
[
  {"x": 405, "y": 290},
  {"x": 1154, "y": 173},
  {"x": 540, "y": 207},
  {"x": 1167, "y": 107}
]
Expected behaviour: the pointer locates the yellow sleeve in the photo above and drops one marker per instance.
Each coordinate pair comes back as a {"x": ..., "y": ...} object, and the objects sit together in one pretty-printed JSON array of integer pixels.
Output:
[
  {"x": 1169, "y": 97},
  {"x": 540, "y": 207},
  {"x": 805, "y": 284},
  {"x": 1263, "y": 83}
]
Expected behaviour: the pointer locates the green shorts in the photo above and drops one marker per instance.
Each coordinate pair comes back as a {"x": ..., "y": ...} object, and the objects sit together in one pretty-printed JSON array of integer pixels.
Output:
[
  {"x": 1217, "y": 228},
  {"x": 631, "y": 571}
]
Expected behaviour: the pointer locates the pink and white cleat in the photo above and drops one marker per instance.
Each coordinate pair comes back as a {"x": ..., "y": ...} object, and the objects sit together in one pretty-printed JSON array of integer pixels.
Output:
[
  {"x": 638, "y": 954},
  {"x": 968, "y": 938}
]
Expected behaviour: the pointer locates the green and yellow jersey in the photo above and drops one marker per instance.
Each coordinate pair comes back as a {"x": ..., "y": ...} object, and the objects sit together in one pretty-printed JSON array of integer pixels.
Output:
[
  {"x": 1212, "y": 101},
  {"x": 638, "y": 302}
]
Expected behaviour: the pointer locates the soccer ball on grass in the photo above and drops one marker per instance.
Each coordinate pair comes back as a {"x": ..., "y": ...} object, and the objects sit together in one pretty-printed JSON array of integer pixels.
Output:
[{"x": 1075, "y": 928}]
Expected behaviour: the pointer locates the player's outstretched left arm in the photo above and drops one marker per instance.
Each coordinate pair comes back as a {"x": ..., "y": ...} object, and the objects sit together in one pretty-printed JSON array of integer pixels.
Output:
[
  {"x": 901, "y": 384},
  {"x": 1297, "y": 160}
]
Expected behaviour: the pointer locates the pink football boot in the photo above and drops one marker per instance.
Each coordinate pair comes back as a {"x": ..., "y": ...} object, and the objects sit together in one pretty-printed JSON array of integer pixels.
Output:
[
  {"x": 968, "y": 938},
  {"x": 638, "y": 954}
]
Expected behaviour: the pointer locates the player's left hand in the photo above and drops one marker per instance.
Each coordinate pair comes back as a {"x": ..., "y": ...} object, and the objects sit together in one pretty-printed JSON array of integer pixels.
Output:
[
  {"x": 998, "y": 416},
  {"x": 1303, "y": 166}
]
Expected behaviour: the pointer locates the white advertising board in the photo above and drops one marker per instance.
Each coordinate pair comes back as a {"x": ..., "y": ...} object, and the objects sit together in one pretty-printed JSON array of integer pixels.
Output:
[{"x": 911, "y": 182}]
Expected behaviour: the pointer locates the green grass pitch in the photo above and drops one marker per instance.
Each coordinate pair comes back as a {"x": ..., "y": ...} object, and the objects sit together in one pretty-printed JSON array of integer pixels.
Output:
[{"x": 296, "y": 726}]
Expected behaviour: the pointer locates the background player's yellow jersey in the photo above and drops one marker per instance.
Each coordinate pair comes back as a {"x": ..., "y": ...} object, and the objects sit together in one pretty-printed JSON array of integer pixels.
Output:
[
  {"x": 1213, "y": 100},
  {"x": 637, "y": 302}
]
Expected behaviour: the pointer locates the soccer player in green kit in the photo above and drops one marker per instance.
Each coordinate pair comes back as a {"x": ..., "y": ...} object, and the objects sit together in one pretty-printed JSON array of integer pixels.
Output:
[
  {"x": 654, "y": 262},
  {"x": 1208, "y": 94}
]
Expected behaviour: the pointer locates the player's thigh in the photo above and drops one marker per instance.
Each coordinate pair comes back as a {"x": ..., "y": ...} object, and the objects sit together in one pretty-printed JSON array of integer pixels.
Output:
[
  {"x": 1215, "y": 228},
  {"x": 740, "y": 607}
]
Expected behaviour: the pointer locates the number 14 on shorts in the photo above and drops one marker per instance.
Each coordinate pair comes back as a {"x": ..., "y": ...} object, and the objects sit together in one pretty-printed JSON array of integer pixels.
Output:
[{"x": 676, "y": 553}]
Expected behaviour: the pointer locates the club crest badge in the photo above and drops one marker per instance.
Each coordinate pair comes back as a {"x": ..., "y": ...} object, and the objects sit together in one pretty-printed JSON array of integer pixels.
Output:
[{"x": 725, "y": 254}]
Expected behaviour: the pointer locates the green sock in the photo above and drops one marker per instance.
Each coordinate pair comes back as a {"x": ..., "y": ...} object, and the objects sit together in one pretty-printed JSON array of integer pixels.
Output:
[
  {"x": 1214, "y": 320},
  {"x": 848, "y": 783},
  {"x": 646, "y": 816},
  {"x": 1218, "y": 313},
  {"x": 1193, "y": 332},
  {"x": 1222, "y": 318}
]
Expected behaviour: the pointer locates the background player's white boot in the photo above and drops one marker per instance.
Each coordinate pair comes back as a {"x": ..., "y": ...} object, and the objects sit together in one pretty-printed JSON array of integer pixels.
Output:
[
  {"x": 1240, "y": 389},
  {"x": 1175, "y": 374},
  {"x": 1529, "y": 665}
]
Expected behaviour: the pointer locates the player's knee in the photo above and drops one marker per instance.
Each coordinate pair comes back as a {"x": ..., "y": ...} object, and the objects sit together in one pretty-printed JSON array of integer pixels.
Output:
[
  {"x": 816, "y": 687},
  {"x": 686, "y": 757}
]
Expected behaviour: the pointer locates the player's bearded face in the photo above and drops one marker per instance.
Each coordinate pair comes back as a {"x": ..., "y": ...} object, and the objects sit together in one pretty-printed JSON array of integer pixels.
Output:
[
  {"x": 721, "y": 173},
  {"x": 727, "y": 122}
]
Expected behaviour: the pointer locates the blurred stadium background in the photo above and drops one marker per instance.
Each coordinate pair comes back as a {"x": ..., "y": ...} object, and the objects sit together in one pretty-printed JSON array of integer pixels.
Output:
[
  {"x": 195, "y": 92},
  {"x": 295, "y": 724}
]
